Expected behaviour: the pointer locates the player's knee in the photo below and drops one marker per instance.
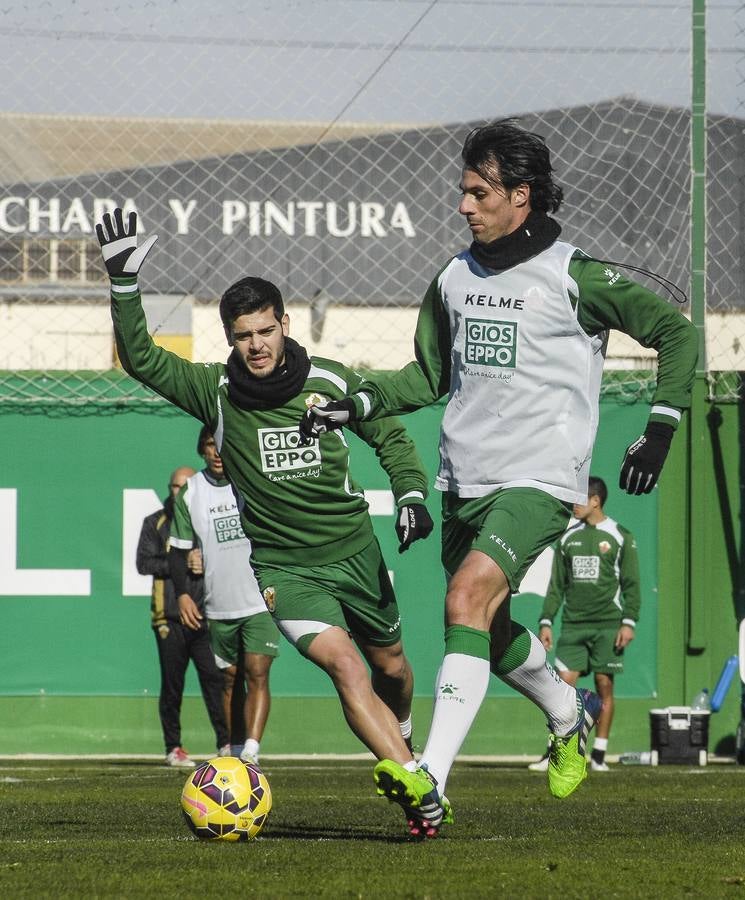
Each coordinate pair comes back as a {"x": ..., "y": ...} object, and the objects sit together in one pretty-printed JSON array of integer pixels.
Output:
[
  {"x": 346, "y": 668},
  {"x": 393, "y": 667}
]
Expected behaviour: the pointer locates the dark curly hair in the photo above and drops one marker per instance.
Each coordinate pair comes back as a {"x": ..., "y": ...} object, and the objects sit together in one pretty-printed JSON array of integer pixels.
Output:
[
  {"x": 506, "y": 155},
  {"x": 250, "y": 295}
]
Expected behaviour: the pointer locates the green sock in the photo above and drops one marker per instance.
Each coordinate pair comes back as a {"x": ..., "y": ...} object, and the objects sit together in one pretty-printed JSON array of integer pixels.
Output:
[{"x": 469, "y": 641}]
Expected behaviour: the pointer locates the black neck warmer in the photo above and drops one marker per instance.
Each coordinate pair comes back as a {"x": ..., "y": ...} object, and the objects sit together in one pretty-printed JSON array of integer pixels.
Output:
[
  {"x": 536, "y": 233},
  {"x": 285, "y": 382}
]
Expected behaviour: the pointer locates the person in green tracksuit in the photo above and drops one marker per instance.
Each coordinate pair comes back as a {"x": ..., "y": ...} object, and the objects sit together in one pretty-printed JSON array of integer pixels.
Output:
[
  {"x": 314, "y": 554},
  {"x": 513, "y": 331},
  {"x": 595, "y": 575}
]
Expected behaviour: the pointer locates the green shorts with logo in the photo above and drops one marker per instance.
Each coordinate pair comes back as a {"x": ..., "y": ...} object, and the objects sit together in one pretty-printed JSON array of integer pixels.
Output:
[
  {"x": 252, "y": 634},
  {"x": 512, "y": 526},
  {"x": 354, "y": 594},
  {"x": 589, "y": 648}
]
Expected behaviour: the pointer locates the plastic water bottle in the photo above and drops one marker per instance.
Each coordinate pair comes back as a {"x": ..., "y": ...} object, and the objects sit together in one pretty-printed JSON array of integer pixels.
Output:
[
  {"x": 640, "y": 758},
  {"x": 701, "y": 700},
  {"x": 725, "y": 679}
]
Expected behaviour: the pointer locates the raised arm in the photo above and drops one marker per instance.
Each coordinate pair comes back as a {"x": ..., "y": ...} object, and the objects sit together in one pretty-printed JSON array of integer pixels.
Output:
[{"x": 189, "y": 386}]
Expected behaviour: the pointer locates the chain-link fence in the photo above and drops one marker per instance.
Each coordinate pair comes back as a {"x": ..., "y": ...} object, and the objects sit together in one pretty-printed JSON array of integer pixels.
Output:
[{"x": 317, "y": 143}]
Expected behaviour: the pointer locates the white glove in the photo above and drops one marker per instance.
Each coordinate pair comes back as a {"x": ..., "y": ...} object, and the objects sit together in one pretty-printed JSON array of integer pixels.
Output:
[{"x": 121, "y": 255}]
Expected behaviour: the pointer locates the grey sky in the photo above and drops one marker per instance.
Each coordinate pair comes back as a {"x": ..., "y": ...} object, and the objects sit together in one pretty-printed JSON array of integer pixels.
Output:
[{"x": 363, "y": 60}]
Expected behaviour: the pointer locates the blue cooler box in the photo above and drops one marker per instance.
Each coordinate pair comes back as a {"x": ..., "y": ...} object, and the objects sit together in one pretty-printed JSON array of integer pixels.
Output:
[{"x": 679, "y": 736}]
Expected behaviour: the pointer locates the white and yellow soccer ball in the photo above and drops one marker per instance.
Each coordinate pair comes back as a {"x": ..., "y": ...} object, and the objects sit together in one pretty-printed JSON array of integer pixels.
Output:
[{"x": 226, "y": 799}]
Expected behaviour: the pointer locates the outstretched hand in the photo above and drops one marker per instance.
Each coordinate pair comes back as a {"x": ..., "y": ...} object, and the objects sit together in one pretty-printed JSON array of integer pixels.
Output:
[
  {"x": 121, "y": 255},
  {"x": 319, "y": 419}
]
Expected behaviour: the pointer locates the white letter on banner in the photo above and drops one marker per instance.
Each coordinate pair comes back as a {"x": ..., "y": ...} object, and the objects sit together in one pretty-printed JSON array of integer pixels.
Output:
[
  {"x": 4, "y": 223},
  {"x": 400, "y": 219},
  {"x": 16, "y": 582},
  {"x": 36, "y": 213},
  {"x": 136, "y": 504},
  {"x": 182, "y": 214},
  {"x": 232, "y": 211}
]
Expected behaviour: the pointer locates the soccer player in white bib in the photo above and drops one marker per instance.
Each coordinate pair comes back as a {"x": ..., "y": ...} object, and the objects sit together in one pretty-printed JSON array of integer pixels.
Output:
[
  {"x": 241, "y": 629},
  {"x": 513, "y": 331}
]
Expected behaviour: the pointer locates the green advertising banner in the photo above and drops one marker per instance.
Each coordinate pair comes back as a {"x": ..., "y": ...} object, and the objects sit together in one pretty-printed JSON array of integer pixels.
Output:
[{"x": 74, "y": 491}]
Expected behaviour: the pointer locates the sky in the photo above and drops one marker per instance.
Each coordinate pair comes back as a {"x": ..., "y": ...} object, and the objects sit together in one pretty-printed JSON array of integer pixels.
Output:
[{"x": 418, "y": 61}]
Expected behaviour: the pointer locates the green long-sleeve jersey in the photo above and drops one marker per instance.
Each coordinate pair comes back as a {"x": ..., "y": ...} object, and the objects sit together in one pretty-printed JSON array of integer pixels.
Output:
[
  {"x": 595, "y": 574},
  {"x": 519, "y": 353},
  {"x": 298, "y": 504}
]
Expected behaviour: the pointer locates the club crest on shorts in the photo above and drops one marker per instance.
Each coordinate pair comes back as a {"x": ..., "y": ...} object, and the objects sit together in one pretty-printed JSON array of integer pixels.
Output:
[
  {"x": 270, "y": 598},
  {"x": 604, "y": 546},
  {"x": 316, "y": 400}
]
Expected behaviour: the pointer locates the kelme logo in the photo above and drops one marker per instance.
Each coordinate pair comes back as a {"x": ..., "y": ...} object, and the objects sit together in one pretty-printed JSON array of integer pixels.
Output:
[
  {"x": 449, "y": 691},
  {"x": 490, "y": 343}
]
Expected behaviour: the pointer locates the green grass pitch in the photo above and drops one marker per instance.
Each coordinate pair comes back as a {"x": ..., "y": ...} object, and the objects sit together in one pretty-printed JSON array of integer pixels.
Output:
[{"x": 114, "y": 829}]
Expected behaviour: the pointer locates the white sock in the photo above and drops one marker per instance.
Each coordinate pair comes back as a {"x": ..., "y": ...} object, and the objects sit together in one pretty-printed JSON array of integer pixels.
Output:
[
  {"x": 600, "y": 744},
  {"x": 459, "y": 691},
  {"x": 537, "y": 680},
  {"x": 251, "y": 746},
  {"x": 411, "y": 766}
]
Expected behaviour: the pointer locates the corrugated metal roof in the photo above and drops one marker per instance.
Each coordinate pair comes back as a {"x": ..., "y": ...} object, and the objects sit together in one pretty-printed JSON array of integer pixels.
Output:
[{"x": 37, "y": 148}]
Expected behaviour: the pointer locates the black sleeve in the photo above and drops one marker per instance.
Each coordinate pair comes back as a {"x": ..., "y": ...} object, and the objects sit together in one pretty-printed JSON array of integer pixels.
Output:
[
  {"x": 151, "y": 556},
  {"x": 179, "y": 570}
]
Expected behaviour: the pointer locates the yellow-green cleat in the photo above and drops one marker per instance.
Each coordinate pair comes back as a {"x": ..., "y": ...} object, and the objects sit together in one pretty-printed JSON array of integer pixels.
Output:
[
  {"x": 416, "y": 793},
  {"x": 567, "y": 760}
]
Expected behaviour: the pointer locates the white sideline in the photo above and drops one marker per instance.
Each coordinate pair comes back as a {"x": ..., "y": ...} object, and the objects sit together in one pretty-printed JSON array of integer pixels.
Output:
[{"x": 267, "y": 758}]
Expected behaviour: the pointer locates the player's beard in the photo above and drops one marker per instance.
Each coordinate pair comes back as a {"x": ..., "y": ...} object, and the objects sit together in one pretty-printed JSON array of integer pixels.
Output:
[{"x": 265, "y": 371}]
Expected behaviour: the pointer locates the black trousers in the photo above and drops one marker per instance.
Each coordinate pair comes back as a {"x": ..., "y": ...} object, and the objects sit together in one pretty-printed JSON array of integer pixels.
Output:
[{"x": 176, "y": 646}]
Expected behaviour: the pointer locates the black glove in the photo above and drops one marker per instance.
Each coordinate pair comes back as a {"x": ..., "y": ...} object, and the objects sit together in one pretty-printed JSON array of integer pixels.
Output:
[
  {"x": 644, "y": 459},
  {"x": 414, "y": 523},
  {"x": 121, "y": 255},
  {"x": 319, "y": 419}
]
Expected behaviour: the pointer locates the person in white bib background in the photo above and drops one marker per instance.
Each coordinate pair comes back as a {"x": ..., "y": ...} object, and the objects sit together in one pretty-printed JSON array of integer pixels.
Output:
[
  {"x": 177, "y": 644},
  {"x": 242, "y": 632}
]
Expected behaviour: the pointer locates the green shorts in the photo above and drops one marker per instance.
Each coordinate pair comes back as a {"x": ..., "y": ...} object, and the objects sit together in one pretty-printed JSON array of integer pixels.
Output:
[
  {"x": 251, "y": 634},
  {"x": 589, "y": 648},
  {"x": 354, "y": 594},
  {"x": 512, "y": 526}
]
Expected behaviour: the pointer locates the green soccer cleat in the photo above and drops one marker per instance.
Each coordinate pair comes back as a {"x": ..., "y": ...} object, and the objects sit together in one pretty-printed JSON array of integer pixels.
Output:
[
  {"x": 416, "y": 793},
  {"x": 567, "y": 761}
]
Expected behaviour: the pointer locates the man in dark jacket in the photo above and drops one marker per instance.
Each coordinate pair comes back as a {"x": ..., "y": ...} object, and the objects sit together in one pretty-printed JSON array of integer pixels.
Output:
[{"x": 177, "y": 644}]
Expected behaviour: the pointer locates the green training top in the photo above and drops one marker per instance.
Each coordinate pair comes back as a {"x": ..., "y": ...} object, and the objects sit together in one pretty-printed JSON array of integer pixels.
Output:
[
  {"x": 595, "y": 575},
  {"x": 298, "y": 505}
]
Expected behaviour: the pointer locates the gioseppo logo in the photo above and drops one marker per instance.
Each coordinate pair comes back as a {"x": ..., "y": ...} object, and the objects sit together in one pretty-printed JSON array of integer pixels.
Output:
[
  {"x": 228, "y": 528},
  {"x": 281, "y": 450},
  {"x": 490, "y": 343}
]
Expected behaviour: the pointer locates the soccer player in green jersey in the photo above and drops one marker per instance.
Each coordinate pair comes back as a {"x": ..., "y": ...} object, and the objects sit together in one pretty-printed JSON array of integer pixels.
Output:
[
  {"x": 595, "y": 575},
  {"x": 314, "y": 553},
  {"x": 513, "y": 331}
]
